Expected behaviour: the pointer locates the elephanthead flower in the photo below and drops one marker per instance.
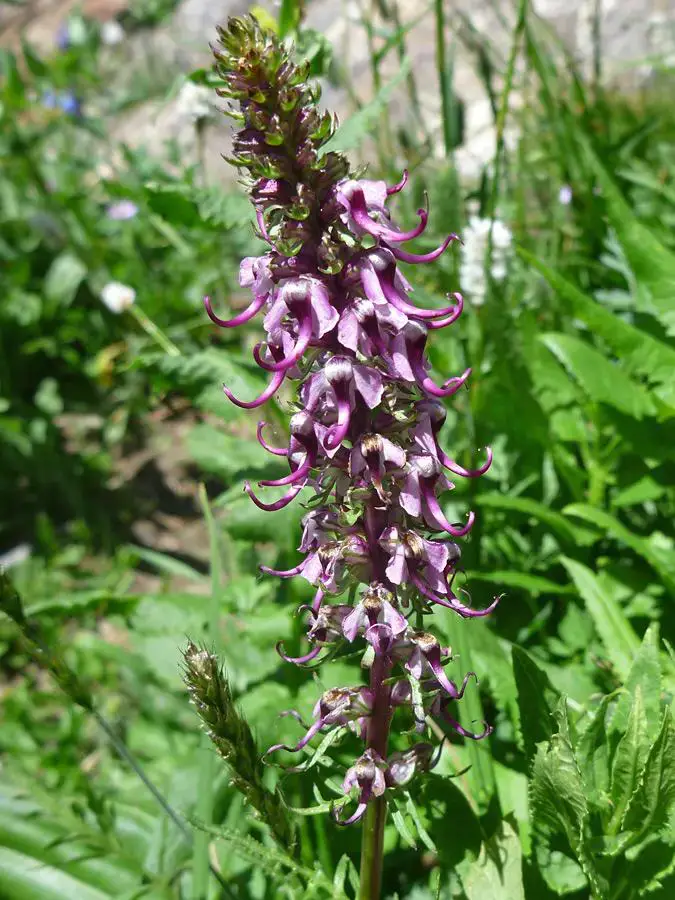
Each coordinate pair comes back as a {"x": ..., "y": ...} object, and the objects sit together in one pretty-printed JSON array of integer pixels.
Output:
[{"x": 344, "y": 333}]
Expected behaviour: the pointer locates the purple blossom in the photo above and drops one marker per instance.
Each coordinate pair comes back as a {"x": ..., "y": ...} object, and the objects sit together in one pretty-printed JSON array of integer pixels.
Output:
[
  {"x": 342, "y": 329},
  {"x": 367, "y": 774}
]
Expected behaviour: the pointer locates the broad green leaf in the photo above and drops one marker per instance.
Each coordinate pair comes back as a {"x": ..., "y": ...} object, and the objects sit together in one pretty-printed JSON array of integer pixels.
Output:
[
  {"x": 440, "y": 801},
  {"x": 592, "y": 751},
  {"x": 645, "y": 676},
  {"x": 536, "y": 700},
  {"x": 481, "y": 775},
  {"x": 493, "y": 658},
  {"x": 497, "y": 873},
  {"x": 561, "y": 873},
  {"x": 616, "y": 632},
  {"x": 535, "y": 585},
  {"x": 63, "y": 278},
  {"x": 661, "y": 559},
  {"x": 558, "y": 797},
  {"x": 345, "y": 871},
  {"x": 166, "y": 564},
  {"x": 242, "y": 519},
  {"x": 650, "y": 805},
  {"x": 604, "y": 381},
  {"x": 639, "y": 352},
  {"x": 628, "y": 762},
  {"x": 26, "y": 878},
  {"x": 230, "y": 457},
  {"x": 651, "y": 862},
  {"x": 357, "y": 127},
  {"x": 556, "y": 522},
  {"x": 641, "y": 491}
]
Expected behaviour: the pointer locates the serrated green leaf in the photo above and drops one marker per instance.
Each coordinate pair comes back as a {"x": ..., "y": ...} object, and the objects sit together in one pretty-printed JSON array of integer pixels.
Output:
[
  {"x": 628, "y": 762},
  {"x": 604, "y": 381},
  {"x": 652, "y": 264},
  {"x": 345, "y": 871},
  {"x": 592, "y": 751},
  {"x": 639, "y": 352},
  {"x": 618, "y": 637},
  {"x": 558, "y": 798},
  {"x": 645, "y": 675},
  {"x": 650, "y": 805},
  {"x": 398, "y": 818},
  {"x": 536, "y": 700},
  {"x": 268, "y": 858}
]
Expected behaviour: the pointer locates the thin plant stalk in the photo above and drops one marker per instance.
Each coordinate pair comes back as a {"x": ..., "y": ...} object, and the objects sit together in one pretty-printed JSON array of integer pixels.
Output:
[
  {"x": 154, "y": 331},
  {"x": 444, "y": 80},
  {"x": 207, "y": 767}
]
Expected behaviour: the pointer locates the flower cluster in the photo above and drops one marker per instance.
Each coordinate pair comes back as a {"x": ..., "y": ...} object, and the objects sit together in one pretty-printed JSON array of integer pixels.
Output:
[{"x": 363, "y": 452}]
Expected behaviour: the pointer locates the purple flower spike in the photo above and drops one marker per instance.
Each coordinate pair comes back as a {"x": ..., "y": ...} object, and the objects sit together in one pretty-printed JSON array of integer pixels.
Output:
[
  {"x": 342, "y": 331},
  {"x": 254, "y": 307}
]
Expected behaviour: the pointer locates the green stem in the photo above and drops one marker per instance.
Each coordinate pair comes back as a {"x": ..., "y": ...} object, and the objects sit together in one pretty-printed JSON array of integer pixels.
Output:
[
  {"x": 442, "y": 68},
  {"x": 372, "y": 843},
  {"x": 155, "y": 333}
]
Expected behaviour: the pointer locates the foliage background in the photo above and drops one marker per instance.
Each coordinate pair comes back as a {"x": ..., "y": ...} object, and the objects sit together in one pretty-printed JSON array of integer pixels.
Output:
[{"x": 108, "y": 424}]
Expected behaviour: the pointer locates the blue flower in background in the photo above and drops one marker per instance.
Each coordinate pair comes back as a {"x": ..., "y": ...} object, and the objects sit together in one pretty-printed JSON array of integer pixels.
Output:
[
  {"x": 70, "y": 104},
  {"x": 63, "y": 38}
]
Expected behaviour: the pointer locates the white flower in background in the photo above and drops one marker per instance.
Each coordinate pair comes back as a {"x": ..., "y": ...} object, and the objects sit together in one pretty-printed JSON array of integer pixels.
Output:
[
  {"x": 118, "y": 297},
  {"x": 565, "y": 195},
  {"x": 194, "y": 103},
  {"x": 112, "y": 33},
  {"x": 122, "y": 210},
  {"x": 472, "y": 274}
]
